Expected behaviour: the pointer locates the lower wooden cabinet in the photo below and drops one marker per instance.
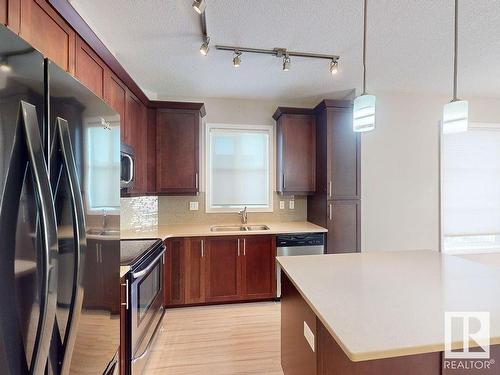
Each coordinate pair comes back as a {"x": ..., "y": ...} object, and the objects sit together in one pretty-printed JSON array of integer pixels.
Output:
[
  {"x": 220, "y": 269},
  {"x": 344, "y": 226}
]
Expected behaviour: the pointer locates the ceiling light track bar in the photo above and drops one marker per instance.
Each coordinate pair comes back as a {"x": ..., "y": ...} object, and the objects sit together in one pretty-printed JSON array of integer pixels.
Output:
[{"x": 278, "y": 52}]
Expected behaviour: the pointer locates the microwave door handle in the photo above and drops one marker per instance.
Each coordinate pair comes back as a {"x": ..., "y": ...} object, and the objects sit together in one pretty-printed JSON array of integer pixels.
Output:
[
  {"x": 69, "y": 165},
  {"x": 131, "y": 175},
  {"x": 27, "y": 148},
  {"x": 136, "y": 275}
]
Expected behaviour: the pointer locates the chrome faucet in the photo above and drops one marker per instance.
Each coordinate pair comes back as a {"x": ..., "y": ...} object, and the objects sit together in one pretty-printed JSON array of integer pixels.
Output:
[
  {"x": 243, "y": 215},
  {"x": 104, "y": 216}
]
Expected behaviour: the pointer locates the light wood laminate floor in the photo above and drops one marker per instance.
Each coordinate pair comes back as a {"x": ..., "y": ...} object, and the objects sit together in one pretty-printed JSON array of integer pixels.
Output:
[{"x": 219, "y": 340}]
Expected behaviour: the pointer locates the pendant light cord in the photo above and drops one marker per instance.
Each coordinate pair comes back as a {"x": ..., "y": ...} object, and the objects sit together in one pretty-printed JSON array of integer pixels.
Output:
[
  {"x": 455, "y": 58},
  {"x": 364, "y": 48}
]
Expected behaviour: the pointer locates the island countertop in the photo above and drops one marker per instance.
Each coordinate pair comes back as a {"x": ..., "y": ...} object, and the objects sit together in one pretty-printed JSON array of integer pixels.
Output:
[
  {"x": 203, "y": 230},
  {"x": 388, "y": 304}
]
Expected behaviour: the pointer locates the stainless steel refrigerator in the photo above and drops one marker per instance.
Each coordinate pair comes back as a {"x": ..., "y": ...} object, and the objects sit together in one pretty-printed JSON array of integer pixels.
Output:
[{"x": 59, "y": 219}]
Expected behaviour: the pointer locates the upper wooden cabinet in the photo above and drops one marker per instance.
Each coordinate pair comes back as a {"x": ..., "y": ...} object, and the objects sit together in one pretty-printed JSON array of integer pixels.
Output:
[
  {"x": 115, "y": 94},
  {"x": 135, "y": 135},
  {"x": 89, "y": 68},
  {"x": 296, "y": 151},
  {"x": 3, "y": 11},
  {"x": 42, "y": 27},
  {"x": 177, "y": 151}
]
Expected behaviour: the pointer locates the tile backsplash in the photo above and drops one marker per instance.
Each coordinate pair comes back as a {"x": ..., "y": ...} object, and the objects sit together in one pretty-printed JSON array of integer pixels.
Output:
[{"x": 144, "y": 212}]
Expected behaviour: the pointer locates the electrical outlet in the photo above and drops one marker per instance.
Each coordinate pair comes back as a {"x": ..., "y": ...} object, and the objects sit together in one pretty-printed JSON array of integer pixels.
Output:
[
  {"x": 291, "y": 205},
  {"x": 282, "y": 205},
  {"x": 193, "y": 206}
]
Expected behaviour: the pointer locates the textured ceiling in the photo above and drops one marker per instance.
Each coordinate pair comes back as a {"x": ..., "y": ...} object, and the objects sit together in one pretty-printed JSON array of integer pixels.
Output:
[{"x": 409, "y": 45}]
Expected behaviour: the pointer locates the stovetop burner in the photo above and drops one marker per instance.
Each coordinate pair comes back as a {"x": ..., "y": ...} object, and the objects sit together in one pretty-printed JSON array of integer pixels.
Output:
[{"x": 133, "y": 251}]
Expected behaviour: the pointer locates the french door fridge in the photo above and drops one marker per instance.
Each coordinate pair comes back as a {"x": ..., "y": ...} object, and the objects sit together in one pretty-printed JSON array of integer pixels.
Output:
[{"x": 59, "y": 219}]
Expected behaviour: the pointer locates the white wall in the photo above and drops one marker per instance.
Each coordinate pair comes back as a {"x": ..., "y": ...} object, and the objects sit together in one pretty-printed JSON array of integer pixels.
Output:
[{"x": 400, "y": 171}]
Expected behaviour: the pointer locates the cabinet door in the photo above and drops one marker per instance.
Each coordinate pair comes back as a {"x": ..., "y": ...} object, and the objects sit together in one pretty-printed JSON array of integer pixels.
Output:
[
  {"x": 195, "y": 270},
  {"x": 343, "y": 155},
  {"x": 44, "y": 29},
  {"x": 177, "y": 150},
  {"x": 223, "y": 269},
  {"x": 115, "y": 95},
  {"x": 89, "y": 68},
  {"x": 93, "y": 276},
  {"x": 174, "y": 272},
  {"x": 135, "y": 134},
  {"x": 259, "y": 267},
  {"x": 3, "y": 12},
  {"x": 343, "y": 224}
]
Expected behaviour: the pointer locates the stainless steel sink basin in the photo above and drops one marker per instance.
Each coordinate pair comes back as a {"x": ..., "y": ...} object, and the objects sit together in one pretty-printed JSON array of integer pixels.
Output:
[
  {"x": 256, "y": 227},
  {"x": 227, "y": 228},
  {"x": 238, "y": 228},
  {"x": 103, "y": 232}
]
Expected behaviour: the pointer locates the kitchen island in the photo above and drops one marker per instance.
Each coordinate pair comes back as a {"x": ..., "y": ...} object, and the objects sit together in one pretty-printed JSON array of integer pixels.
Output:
[{"x": 381, "y": 313}]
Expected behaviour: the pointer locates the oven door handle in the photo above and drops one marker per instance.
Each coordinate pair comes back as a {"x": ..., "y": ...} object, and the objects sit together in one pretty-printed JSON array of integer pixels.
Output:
[
  {"x": 152, "y": 339},
  {"x": 136, "y": 275}
]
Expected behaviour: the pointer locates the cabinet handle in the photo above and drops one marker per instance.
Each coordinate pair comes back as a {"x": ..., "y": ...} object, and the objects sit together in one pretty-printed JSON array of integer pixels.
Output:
[
  {"x": 196, "y": 180},
  {"x": 202, "y": 249},
  {"x": 238, "y": 247},
  {"x": 244, "y": 247},
  {"x": 284, "y": 183},
  {"x": 330, "y": 207},
  {"x": 330, "y": 185},
  {"x": 126, "y": 295}
]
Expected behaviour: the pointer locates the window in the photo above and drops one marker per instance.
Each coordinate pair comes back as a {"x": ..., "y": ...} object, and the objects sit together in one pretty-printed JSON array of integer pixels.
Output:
[
  {"x": 238, "y": 167},
  {"x": 471, "y": 190},
  {"x": 103, "y": 168}
]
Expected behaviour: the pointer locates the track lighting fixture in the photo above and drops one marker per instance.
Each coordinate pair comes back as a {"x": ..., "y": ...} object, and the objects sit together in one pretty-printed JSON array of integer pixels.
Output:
[
  {"x": 287, "y": 63},
  {"x": 281, "y": 53},
  {"x": 363, "y": 113},
  {"x": 455, "y": 113},
  {"x": 199, "y": 6},
  {"x": 334, "y": 67},
  {"x": 205, "y": 46},
  {"x": 237, "y": 59},
  {"x": 4, "y": 67}
]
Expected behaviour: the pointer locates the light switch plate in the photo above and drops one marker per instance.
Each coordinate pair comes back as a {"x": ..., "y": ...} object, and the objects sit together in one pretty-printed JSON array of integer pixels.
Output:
[
  {"x": 309, "y": 335},
  {"x": 291, "y": 205},
  {"x": 193, "y": 206},
  {"x": 282, "y": 205}
]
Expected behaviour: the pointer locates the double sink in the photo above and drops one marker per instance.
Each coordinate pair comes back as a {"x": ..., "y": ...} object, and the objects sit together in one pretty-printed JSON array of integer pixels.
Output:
[{"x": 238, "y": 228}]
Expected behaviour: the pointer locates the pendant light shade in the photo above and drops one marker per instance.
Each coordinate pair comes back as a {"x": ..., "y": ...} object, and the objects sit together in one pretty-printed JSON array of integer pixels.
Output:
[
  {"x": 363, "y": 113},
  {"x": 455, "y": 113},
  {"x": 456, "y": 117}
]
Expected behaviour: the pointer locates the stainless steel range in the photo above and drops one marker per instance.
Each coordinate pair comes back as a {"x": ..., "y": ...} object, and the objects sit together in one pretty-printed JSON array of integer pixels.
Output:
[{"x": 144, "y": 298}]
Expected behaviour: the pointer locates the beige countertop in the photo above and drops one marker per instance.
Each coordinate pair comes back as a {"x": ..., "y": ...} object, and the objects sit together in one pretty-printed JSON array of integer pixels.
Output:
[
  {"x": 387, "y": 304},
  {"x": 203, "y": 230}
]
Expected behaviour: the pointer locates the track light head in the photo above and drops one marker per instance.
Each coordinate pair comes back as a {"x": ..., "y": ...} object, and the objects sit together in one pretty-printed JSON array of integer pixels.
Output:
[
  {"x": 334, "y": 67},
  {"x": 287, "y": 63},
  {"x": 199, "y": 6},
  {"x": 4, "y": 67},
  {"x": 237, "y": 59},
  {"x": 205, "y": 46}
]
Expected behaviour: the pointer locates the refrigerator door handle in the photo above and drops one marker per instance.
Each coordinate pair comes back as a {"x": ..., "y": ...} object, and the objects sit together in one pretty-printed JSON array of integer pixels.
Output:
[
  {"x": 28, "y": 150},
  {"x": 62, "y": 143}
]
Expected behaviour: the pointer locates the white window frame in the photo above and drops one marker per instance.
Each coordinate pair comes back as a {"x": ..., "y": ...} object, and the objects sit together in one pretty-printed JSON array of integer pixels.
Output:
[{"x": 269, "y": 129}]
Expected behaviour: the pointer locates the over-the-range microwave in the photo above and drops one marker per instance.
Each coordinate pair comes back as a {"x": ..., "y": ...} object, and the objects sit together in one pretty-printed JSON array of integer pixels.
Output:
[{"x": 127, "y": 175}]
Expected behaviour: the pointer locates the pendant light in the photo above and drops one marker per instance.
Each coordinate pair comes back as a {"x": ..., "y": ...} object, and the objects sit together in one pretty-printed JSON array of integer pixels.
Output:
[
  {"x": 363, "y": 114},
  {"x": 455, "y": 113}
]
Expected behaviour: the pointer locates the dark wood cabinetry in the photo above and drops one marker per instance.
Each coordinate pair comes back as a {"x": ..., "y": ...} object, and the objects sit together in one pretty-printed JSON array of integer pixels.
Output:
[
  {"x": 3, "y": 11},
  {"x": 337, "y": 201},
  {"x": 296, "y": 150},
  {"x": 177, "y": 150},
  {"x": 258, "y": 271},
  {"x": 47, "y": 31},
  {"x": 220, "y": 269},
  {"x": 195, "y": 270},
  {"x": 115, "y": 94},
  {"x": 223, "y": 269},
  {"x": 89, "y": 68}
]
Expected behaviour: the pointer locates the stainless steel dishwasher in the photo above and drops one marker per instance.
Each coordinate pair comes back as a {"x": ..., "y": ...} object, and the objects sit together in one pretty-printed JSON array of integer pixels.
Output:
[{"x": 297, "y": 244}]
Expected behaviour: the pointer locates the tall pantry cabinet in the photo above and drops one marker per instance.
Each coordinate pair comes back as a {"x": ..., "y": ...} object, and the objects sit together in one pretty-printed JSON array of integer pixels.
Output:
[{"x": 336, "y": 204}]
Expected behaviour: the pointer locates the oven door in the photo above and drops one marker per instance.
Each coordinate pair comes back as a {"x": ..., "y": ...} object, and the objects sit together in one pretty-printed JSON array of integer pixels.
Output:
[{"x": 146, "y": 308}]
